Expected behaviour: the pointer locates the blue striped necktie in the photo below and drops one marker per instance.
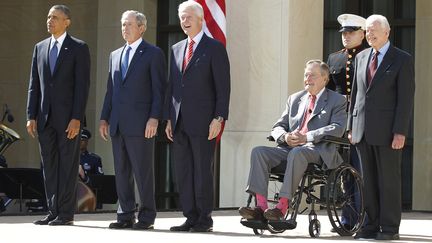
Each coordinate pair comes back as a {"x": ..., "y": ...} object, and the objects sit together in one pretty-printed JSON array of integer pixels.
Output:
[
  {"x": 53, "y": 57},
  {"x": 125, "y": 62}
]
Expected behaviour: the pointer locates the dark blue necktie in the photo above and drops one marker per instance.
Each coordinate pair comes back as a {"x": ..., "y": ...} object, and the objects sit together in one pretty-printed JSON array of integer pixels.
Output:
[
  {"x": 125, "y": 62},
  {"x": 53, "y": 57}
]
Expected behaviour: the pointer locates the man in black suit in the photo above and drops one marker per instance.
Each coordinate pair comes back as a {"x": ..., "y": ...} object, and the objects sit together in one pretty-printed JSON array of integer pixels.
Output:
[
  {"x": 57, "y": 97},
  {"x": 380, "y": 111},
  {"x": 197, "y": 104},
  {"x": 132, "y": 106}
]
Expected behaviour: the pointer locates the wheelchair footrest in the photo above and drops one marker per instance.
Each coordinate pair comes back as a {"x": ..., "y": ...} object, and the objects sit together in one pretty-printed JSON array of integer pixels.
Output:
[
  {"x": 283, "y": 225},
  {"x": 254, "y": 224}
]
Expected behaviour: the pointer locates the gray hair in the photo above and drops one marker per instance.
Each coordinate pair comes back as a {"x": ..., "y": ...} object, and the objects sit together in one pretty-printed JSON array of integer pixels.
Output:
[
  {"x": 325, "y": 70},
  {"x": 140, "y": 17},
  {"x": 196, "y": 7},
  {"x": 64, "y": 9},
  {"x": 380, "y": 19}
]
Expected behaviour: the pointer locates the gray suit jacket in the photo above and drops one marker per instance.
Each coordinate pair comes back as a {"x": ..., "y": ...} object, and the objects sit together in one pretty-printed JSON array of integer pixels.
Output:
[
  {"x": 385, "y": 107},
  {"x": 328, "y": 118}
]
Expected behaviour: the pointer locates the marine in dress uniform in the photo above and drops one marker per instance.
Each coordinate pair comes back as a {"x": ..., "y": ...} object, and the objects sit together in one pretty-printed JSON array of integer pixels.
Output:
[
  {"x": 341, "y": 63},
  {"x": 341, "y": 66}
]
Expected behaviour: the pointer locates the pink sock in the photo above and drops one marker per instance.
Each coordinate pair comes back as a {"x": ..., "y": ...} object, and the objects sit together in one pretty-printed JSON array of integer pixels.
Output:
[
  {"x": 283, "y": 205},
  {"x": 261, "y": 201}
]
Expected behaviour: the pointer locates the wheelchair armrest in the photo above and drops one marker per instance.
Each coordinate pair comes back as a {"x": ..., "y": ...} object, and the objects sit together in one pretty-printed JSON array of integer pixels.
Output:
[{"x": 336, "y": 140}]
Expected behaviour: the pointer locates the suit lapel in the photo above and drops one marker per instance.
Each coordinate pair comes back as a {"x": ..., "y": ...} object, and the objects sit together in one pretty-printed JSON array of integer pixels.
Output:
[
  {"x": 137, "y": 55},
  {"x": 363, "y": 64},
  {"x": 179, "y": 53},
  {"x": 198, "y": 51},
  {"x": 303, "y": 102},
  {"x": 63, "y": 52},
  {"x": 322, "y": 102},
  {"x": 385, "y": 64},
  {"x": 46, "y": 49}
]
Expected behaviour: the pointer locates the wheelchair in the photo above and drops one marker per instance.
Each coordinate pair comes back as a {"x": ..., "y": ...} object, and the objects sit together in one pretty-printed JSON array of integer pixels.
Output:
[{"x": 334, "y": 196}]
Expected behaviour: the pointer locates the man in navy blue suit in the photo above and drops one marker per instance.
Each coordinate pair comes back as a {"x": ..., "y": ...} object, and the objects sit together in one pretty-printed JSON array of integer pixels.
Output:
[
  {"x": 197, "y": 104},
  {"x": 132, "y": 106},
  {"x": 57, "y": 97}
]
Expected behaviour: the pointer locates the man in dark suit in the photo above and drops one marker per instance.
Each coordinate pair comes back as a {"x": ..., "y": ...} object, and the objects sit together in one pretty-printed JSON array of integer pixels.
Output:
[
  {"x": 131, "y": 109},
  {"x": 197, "y": 104},
  {"x": 341, "y": 66},
  {"x": 380, "y": 111},
  {"x": 57, "y": 97},
  {"x": 310, "y": 115}
]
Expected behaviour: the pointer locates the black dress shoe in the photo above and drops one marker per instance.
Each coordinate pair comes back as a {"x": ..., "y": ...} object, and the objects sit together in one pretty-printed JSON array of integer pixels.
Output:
[
  {"x": 61, "y": 221},
  {"x": 142, "y": 226},
  {"x": 387, "y": 236},
  {"x": 201, "y": 228},
  {"x": 45, "y": 220},
  {"x": 365, "y": 235},
  {"x": 249, "y": 213},
  {"x": 184, "y": 227},
  {"x": 122, "y": 224}
]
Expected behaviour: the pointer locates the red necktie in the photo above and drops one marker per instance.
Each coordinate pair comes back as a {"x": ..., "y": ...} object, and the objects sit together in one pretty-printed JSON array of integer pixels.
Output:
[
  {"x": 308, "y": 114},
  {"x": 188, "y": 55},
  {"x": 373, "y": 65}
]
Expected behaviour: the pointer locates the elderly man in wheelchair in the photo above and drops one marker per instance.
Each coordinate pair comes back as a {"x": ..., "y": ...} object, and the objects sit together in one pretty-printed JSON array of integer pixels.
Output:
[{"x": 310, "y": 118}]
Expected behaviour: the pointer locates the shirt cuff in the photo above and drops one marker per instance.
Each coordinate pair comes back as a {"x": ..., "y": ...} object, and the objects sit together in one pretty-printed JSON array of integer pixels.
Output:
[
  {"x": 309, "y": 137},
  {"x": 281, "y": 139}
]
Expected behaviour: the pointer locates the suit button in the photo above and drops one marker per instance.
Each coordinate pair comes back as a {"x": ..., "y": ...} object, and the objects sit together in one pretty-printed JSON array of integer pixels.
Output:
[
  {"x": 182, "y": 85},
  {"x": 51, "y": 85}
]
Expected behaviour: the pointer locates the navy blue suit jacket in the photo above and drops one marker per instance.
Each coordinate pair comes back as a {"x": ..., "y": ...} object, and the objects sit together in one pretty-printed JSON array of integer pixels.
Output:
[
  {"x": 129, "y": 103},
  {"x": 62, "y": 95},
  {"x": 202, "y": 91}
]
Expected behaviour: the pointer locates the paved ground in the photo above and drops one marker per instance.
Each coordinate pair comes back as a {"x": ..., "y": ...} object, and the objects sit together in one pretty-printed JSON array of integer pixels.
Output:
[{"x": 93, "y": 228}]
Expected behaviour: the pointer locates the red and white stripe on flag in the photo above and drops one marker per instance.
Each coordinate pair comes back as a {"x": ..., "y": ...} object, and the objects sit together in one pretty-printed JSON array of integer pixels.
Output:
[{"x": 214, "y": 16}]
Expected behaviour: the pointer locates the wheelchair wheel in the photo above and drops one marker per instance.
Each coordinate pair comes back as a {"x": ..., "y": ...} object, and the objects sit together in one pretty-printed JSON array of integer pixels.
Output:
[
  {"x": 314, "y": 228},
  {"x": 258, "y": 231},
  {"x": 345, "y": 193}
]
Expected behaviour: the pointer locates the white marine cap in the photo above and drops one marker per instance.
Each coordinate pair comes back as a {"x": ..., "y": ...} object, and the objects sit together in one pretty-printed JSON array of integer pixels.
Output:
[{"x": 351, "y": 22}]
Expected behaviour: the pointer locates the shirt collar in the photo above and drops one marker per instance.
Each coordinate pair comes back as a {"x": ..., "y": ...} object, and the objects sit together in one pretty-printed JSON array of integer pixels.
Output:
[
  {"x": 384, "y": 49},
  {"x": 135, "y": 44},
  {"x": 197, "y": 38},
  {"x": 320, "y": 93},
  {"x": 60, "y": 40}
]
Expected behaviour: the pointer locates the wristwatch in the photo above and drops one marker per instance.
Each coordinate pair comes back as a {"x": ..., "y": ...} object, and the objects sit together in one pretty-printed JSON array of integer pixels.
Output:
[{"x": 219, "y": 118}]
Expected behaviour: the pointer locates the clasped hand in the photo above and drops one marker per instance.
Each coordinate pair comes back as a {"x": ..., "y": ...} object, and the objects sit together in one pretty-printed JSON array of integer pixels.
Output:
[{"x": 295, "y": 138}]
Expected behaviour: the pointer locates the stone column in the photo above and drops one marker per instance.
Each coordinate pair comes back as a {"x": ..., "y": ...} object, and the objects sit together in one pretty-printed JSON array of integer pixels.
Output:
[{"x": 422, "y": 161}]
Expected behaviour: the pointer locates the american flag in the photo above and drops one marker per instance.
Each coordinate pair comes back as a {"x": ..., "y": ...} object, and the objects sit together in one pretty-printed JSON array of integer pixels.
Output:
[
  {"x": 214, "y": 15},
  {"x": 215, "y": 27}
]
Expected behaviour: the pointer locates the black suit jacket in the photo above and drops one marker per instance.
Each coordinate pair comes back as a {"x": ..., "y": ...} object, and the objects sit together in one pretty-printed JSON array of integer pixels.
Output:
[
  {"x": 202, "y": 92},
  {"x": 385, "y": 107},
  {"x": 62, "y": 95}
]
